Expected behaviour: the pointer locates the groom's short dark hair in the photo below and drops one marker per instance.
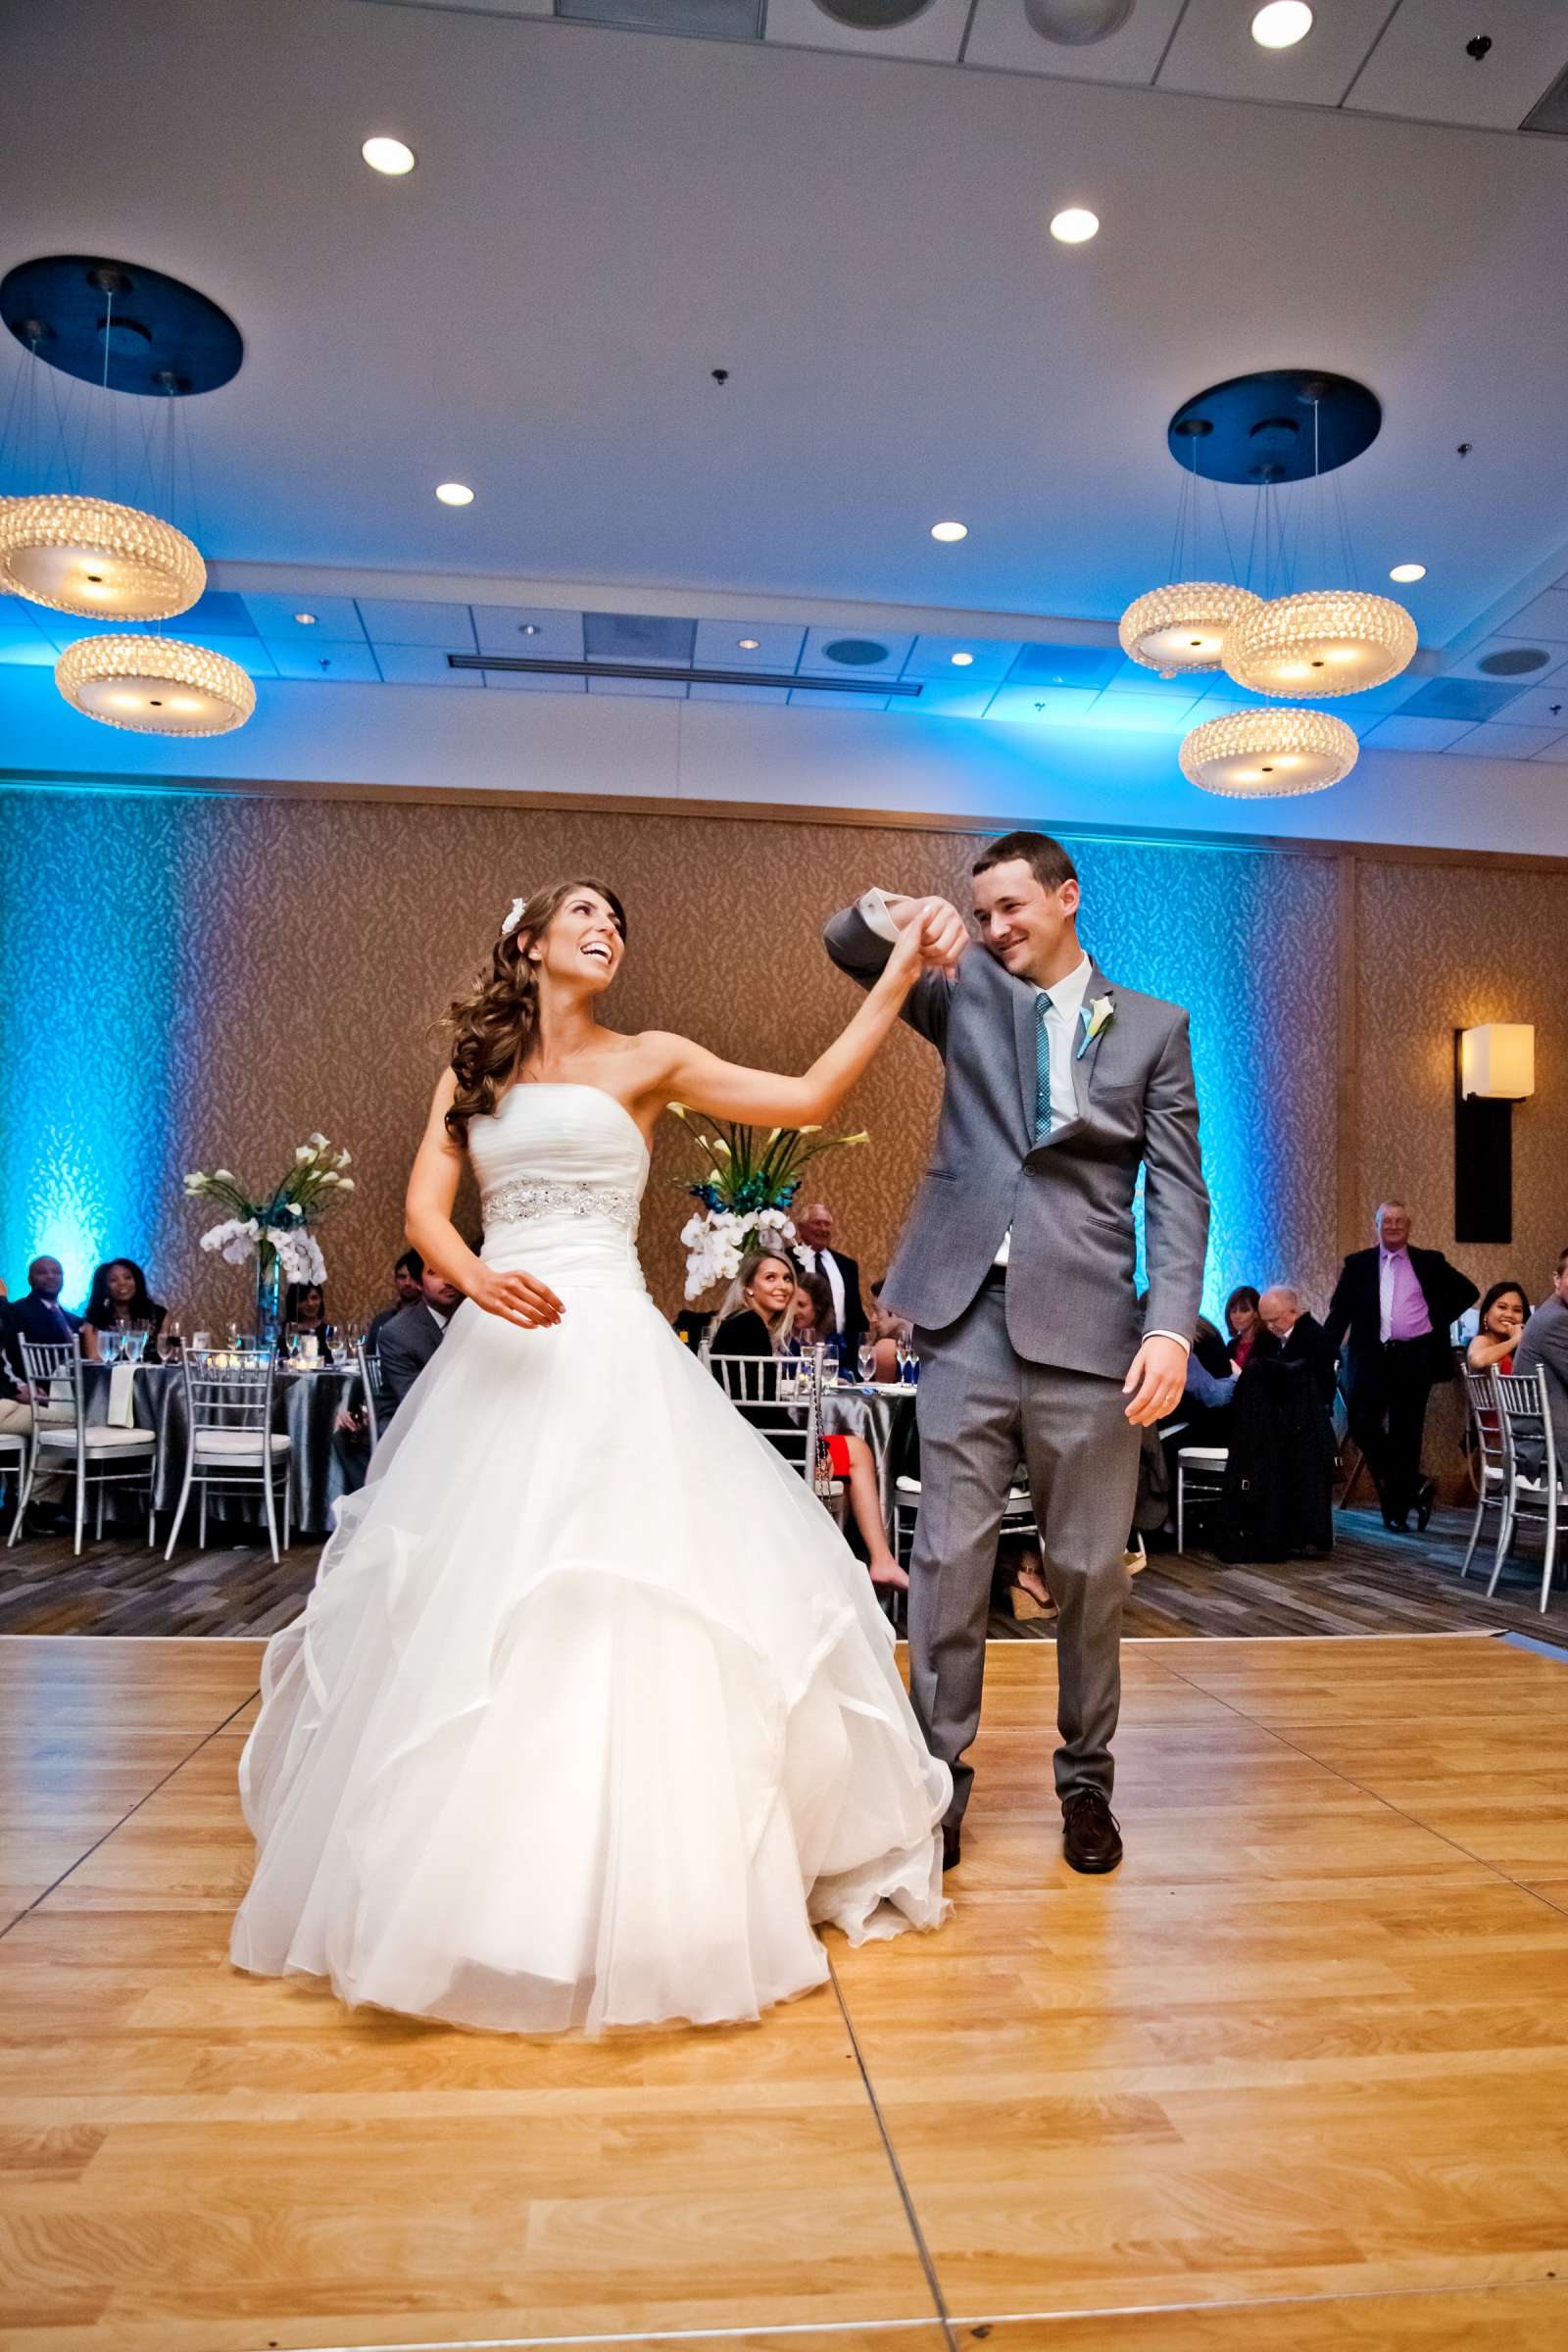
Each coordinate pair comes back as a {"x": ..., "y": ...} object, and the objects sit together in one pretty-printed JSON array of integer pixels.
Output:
[{"x": 1047, "y": 859}]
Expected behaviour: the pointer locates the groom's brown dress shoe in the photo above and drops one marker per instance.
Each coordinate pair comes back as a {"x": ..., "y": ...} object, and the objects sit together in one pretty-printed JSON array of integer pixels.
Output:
[{"x": 1090, "y": 1836}]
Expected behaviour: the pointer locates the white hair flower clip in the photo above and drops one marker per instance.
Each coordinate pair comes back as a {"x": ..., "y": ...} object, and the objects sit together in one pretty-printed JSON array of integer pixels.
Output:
[{"x": 513, "y": 917}]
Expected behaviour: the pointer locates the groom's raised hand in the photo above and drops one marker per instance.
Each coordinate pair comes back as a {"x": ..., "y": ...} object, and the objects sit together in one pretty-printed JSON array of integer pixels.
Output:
[{"x": 943, "y": 934}]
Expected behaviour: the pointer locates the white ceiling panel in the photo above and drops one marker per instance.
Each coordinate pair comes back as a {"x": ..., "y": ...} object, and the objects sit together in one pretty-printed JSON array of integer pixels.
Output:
[
  {"x": 392, "y": 620},
  {"x": 672, "y": 690},
  {"x": 739, "y": 694},
  {"x": 1057, "y": 704},
  {"x": 820, "y": 662},
  {"x": 337, "y": 661},
  {"x": 422, "y": 665},
  {"x": 334, "y": 616},
  {"x": 529, "y": 681},
  {"x": 26, "y": 650},
  {"x": 556, "y": 636},
  {"x": 1416, "y": 734},
  {"x": 1498, "y": 741},
  {"x": 827, "y": 700},
  {"x": 938, "y": 700},
  {"x": 1002, "y": 35},
  {"x": 1214, "y": 53},
  {"x": 1557, "y": 752},
  {"x": 1538, "y": 706},
  {"x": 1420, "y": 68},
  {"x": 1545, "y": 617},
  {"x": 1148, "y": 714},
  {"x": 936, "y": 33},
  {"x": 990, "y": 657},
  {"x": 718, "y": 645}
]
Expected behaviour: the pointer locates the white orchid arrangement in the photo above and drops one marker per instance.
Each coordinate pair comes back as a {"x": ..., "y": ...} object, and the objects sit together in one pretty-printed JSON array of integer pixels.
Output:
[
  {"x": 275, "y": 1226},
  {"x": 746, "y": 1195}
]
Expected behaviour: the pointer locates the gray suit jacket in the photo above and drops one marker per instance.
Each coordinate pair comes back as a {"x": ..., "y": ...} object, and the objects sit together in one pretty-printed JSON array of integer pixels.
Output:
[
  {"x": 1071, "y": 1298},
  {"x": 408, "y": 1341},
  {"x": 1545, "y": 1343}
]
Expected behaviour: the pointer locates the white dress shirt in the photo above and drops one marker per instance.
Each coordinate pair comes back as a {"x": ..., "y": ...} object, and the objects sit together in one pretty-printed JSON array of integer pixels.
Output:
[{"x": 1063, "y": 1021}]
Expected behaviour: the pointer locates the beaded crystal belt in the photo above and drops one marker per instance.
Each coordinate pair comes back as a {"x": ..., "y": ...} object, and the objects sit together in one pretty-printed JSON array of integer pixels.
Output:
[{"x": 513, "y": 1204}]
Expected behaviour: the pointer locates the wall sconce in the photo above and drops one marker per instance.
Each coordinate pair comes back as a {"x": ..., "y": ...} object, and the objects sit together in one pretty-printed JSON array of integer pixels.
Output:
[
  {"x": 1498, "y": 1062},
  {"x": 1494, "y": 1068}
]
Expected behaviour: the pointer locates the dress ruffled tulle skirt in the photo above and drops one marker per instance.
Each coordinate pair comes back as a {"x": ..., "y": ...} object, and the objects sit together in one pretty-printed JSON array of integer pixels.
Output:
[{"x": 592, "y": 1716}]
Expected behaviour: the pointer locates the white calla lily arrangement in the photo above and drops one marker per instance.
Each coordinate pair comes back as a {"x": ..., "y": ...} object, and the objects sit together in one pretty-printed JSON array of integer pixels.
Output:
[
  {"x": 273, "y": 1229},
  {"x": 746, "y": 1195}
]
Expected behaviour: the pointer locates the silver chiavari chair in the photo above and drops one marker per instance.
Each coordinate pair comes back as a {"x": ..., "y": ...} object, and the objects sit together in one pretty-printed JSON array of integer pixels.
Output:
[
  {"x": 99, "y": 1456},
  {"x": 781, "y": 1399},
  {"x": 378, "y": 1407},
  {"x": 229, "y": 1441},
  {"x": 1533, "y": 1475},
  {"x": 1489, "y": 1455}
]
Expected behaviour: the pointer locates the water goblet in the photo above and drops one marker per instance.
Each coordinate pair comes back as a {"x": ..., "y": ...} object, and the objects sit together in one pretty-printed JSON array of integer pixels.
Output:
[{"x": 866, "y": 1358}]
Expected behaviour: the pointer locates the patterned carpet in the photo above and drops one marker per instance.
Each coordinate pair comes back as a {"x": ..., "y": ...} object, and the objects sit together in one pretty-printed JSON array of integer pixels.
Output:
[{"x": 1373, "y": 1583}]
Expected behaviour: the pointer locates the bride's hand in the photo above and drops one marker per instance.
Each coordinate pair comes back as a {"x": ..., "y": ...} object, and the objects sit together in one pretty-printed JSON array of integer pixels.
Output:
[{"x": 515, "y": 1298}]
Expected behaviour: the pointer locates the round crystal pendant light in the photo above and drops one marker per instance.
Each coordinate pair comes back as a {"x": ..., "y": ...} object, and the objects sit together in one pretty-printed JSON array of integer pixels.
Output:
[
  {"x": 97, "y": 560},
  {"x": 1322, "y": 641},
  {"x": 1267, "y": 755},
  {"x": 1181, "y": 629},
  {"x": 155, "y": 685}
]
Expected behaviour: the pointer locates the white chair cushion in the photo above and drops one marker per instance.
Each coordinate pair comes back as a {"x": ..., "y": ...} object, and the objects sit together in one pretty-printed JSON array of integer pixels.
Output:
[
  {"x": 1218, "y": 1454},
  {"x": 235, "y": 1445},
  {"x": 99, "y": 1440}
]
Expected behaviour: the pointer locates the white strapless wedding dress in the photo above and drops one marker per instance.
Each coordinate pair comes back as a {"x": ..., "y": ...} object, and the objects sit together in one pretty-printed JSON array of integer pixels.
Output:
[{"x": 590, "y": 1713}]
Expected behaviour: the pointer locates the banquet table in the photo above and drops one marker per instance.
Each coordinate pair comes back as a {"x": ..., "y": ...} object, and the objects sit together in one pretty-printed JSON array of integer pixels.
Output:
[
  {"x": 882, "y": 1415},
  {"x": 150, "y": 1395}
]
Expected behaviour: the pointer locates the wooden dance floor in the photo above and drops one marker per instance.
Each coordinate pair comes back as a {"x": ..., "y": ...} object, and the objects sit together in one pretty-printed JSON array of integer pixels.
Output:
[{"x": 1295, "y": 2078}]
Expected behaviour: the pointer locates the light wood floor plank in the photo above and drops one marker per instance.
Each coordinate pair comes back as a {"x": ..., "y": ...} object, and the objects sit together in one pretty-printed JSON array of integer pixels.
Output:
[{"x": 1524, "y": 2318}]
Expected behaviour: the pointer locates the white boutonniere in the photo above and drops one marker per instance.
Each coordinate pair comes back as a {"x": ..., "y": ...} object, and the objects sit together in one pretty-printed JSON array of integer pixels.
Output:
[{"x": 1097, "y": 1016}]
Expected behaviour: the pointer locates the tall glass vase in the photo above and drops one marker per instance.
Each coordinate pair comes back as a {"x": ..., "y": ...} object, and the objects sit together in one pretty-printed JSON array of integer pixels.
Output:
[{"x": 268, "y": 1295}]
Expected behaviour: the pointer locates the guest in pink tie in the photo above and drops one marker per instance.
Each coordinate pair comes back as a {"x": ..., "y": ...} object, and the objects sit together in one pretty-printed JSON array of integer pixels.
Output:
[{"x": 1388, "y": 1318}]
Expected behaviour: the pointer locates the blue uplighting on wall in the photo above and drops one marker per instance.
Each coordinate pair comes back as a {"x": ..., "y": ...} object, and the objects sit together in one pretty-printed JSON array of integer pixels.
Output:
[{"x": 87, "y": 948}]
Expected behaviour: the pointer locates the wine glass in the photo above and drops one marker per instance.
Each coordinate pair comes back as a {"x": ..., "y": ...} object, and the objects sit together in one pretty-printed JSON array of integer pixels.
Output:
[
  {"x": 111, "y": 1343},
  {"x": 866, "y": 1358},
  {"x": 134, "y": 1343},
  {"x": 169, "y": 1341}
]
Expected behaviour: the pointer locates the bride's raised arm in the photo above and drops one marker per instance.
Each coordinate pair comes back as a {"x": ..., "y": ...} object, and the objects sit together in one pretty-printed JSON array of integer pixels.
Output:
[{"x": 689, "y": 1073}]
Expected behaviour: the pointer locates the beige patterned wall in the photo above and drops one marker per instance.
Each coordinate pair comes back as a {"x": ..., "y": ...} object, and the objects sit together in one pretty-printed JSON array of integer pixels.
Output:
[{"x": 248, "y": 969}]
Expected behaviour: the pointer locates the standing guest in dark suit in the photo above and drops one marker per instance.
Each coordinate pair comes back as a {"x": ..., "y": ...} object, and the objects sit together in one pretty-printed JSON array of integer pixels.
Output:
[
  {"x": 38, "y": 1314},
  {"x": 1395, "y": 1303},
  {"x": 814, "y": 1250},
  {"x": 1544, "y": 1344},
  {"x": 405, "y": 1278},
  {"x": 1289, "y": 1335},
  {"x": 120, "y": 1301},
  {"x": 415, "y": 1333}
]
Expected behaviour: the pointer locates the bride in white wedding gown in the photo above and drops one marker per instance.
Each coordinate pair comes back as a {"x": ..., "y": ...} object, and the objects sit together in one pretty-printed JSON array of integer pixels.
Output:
[{"x": 592, "y": 1712}]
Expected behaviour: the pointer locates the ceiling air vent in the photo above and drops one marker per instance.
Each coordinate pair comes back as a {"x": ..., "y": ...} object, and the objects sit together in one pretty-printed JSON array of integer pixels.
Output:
[{"x": 709, "y": 20}]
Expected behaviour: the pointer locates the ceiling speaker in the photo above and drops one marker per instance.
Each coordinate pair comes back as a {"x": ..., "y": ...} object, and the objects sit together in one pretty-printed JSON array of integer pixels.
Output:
[
  {"x": 874, "y": 16},
  {"x": 1075, "y": 23}
]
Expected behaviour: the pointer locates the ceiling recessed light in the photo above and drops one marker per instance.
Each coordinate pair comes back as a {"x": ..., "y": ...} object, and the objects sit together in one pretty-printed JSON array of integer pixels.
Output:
[
  {"x": 948, "y": 532},
  {"x": 1408, "y": 571},
  {"x": 748, "y": 645},
  {"x": 1282, "y": 24},
  {"x": 1075, "y": 226},
  {"x": 962, "y": 660},
  {"x": 306, "y": 620},
  {"x": 527, "y": 628},
  {"x": 388, "y": 156},
  {"x": 454, "y": 494}
]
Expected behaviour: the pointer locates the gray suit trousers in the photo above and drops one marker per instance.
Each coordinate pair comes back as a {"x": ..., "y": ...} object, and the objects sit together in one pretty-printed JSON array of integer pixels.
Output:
[{"x": 983, "y": 1409}]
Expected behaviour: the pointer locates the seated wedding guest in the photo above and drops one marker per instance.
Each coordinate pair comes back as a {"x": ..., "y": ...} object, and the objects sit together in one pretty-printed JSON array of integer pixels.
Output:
[
  {"x": 305, "y": 1307},
  {"x": 815, "y": 1251},
  {"x": 38, "y": 1315},
  {"x": 120, "y": 1301},
  {"x": 415, "y": 1333},
  {"x": 757, "y": 1318},
  {"x": 1242, "y": 1323},
  {"x": 887, "y": 1329},
  {"x": 1293, "y": 1336},
  {"x": 1544, "y": 1345},
  {"x": 1505, "y": 1312},
  {"x": 814, "y": 1320},
  {"x": 406, "y": 1275}
]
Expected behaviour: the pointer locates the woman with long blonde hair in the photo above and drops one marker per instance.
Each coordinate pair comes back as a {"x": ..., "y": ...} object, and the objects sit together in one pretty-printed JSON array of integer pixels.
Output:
[{"x": 592, "y": 1715}]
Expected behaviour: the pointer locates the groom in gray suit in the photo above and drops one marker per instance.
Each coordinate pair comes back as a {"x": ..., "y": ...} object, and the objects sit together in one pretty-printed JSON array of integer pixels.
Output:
[{"x": 1016, "y": 1267}]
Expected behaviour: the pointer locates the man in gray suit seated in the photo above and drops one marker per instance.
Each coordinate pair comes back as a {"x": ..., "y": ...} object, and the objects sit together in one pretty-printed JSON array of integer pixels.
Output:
[
  {"x": 1544, "y": 1344},
  {"x": 411, "y": 1336},
  {"x": 1016, "y": 1267}
]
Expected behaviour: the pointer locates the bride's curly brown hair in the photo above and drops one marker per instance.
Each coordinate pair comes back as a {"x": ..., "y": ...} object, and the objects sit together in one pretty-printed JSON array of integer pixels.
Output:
[{"x": 493, "y": 1024}]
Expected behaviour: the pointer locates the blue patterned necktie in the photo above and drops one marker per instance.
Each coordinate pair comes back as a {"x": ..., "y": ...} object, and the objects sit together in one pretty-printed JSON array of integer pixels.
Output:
[{"x": 1042, "y": 1070}]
